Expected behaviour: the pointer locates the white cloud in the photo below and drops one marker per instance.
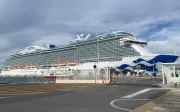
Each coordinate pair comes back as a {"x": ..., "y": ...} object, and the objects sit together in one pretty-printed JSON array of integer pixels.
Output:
[
  {"x": 4, "y": 43},
  {"x": 25, "y": 22},
  {"x": 57, "y": 39},
  {"x": 170, "y": 45}
]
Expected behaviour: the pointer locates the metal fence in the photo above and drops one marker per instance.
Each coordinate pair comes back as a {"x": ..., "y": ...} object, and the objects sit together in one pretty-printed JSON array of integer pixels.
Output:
[
  {"x": 85, "y": 74},
  {"x": 142, "y": 81},
  {"x": 82, "y": 75},
  {"x": 17, "y": 80}
]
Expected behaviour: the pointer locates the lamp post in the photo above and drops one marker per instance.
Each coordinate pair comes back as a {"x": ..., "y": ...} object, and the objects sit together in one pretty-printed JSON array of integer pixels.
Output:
[
  {"x": 137, "y": 70},
  {"x": 154, "y": 64},
  {"x": 97, "y": 73}
]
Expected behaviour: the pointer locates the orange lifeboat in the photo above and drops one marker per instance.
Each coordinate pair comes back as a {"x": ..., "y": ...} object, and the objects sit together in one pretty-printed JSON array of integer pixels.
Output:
[
  {"x": 71, "y": 63},
  {"x": 28, "y": 66},
  {"x": 24, "y": 66},
  {"x": 20, "y": 66},
  {"x": 33, "y": 66},
  {"x": 54, "y": 64},
  {"x": 62, "y": 63},
  {"x": 13, "y": 67}
]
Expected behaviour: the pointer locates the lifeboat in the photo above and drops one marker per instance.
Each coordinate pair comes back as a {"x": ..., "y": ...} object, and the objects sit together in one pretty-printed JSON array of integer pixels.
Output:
[
  {"x": 19, "y": 66},
  {"x": 54, "y": 64},
  {"x": 33, "y": 66},
  {"x": 62, "y": 63},
  {"x": 71, "y": 63},
  {"x": 23, "y": 66},
  {"x": 28, "y": 66},
  {"x": 13, "y": 67}
]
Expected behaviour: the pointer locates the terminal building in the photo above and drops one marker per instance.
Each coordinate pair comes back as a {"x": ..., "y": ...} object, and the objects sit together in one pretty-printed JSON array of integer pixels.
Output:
[{"x": 171, "y": 73}]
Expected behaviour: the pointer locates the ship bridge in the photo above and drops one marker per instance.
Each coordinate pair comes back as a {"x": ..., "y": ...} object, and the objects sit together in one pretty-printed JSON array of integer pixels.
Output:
[{"x": 115, "y": 34}]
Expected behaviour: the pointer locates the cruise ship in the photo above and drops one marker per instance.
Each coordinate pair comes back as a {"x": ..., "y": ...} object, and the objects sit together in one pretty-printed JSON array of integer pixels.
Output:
[{"x": 118, "y": 49}]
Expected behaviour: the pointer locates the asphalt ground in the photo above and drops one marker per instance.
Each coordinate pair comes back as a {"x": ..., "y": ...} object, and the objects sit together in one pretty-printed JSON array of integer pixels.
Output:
[
  {"x": 146, "y": 81},
  {"x": 14, "y": 90},
  {"x": 169, "y": 102},
  {"x": 79, "y": 98}
]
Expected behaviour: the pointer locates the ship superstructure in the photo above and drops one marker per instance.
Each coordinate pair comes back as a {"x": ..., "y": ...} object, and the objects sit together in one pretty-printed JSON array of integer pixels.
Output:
[{"x": 106, "y": 47}]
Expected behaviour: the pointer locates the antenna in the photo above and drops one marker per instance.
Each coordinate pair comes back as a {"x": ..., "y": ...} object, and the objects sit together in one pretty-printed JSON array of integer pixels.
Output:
[
  {"x": 129, "y": 30},
  {"x": 112, "y": 29},
  {"x": 175, "y": 51}
]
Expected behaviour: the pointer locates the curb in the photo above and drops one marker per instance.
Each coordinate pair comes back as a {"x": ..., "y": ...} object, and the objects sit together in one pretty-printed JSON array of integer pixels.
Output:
[{"x": 148, "y": 107}]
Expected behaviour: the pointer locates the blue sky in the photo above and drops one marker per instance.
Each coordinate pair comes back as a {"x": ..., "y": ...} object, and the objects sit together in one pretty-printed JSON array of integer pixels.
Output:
[{"x": 26, "y": 22}]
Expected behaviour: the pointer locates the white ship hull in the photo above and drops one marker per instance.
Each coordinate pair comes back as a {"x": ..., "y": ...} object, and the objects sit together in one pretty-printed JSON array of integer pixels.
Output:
[{"x": 126, "y": 63}]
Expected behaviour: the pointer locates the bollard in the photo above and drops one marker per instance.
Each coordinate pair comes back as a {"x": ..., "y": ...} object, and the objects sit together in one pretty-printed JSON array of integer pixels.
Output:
[
  {"x": 103, "y": 79},
  {"x": 110, "y": 78},
  {"x": 175, "y": 85}
]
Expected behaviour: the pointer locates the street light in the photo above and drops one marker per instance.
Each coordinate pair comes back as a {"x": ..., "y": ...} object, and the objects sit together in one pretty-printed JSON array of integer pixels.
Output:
[
  {"x": 97, "y": 73},
  {"x": 97, "y": 50}
]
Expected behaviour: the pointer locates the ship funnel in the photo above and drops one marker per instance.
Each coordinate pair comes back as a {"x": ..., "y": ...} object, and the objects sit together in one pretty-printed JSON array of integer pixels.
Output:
[{"x": 175, "y": 51}]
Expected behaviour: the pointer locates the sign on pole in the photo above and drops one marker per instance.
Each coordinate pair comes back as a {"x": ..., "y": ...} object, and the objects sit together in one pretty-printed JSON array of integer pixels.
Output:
[{"x": 95, "y": 72}]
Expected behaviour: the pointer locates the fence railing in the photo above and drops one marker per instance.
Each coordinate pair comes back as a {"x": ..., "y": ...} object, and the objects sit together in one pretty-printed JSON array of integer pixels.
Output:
[
  {"x": 79, "y": 75},
  {"x": 17, "y": 80},
  {"x": 86, "y": 74}
]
